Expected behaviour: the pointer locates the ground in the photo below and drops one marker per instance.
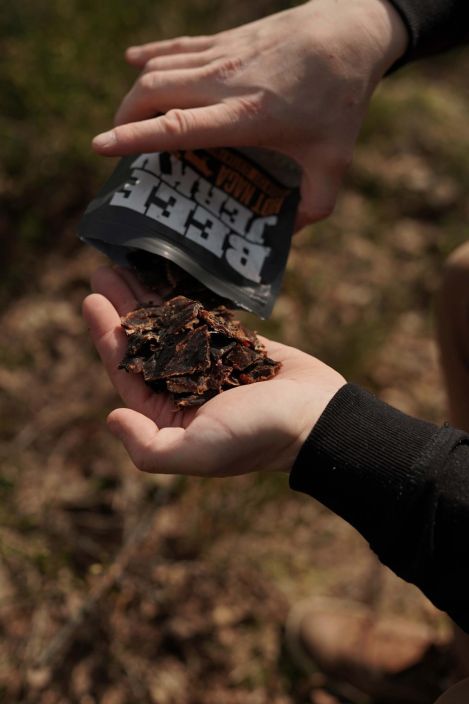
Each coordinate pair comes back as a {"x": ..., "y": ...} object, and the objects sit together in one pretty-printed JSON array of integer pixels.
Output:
[{"x": 122, "y": 588}]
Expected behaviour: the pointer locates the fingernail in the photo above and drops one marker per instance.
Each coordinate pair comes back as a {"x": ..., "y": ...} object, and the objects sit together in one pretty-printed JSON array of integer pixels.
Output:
[
  {"x": 133, "y": 52},
  {"x": 105, "y": 139}
]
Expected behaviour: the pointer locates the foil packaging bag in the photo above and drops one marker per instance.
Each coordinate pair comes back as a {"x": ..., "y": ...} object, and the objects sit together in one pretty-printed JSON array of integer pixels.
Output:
[{"x": 225, "y": 216}]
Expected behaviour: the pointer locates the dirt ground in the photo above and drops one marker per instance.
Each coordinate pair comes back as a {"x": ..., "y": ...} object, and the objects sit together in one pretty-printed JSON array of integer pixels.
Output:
[{"x": 123, "y": 588}]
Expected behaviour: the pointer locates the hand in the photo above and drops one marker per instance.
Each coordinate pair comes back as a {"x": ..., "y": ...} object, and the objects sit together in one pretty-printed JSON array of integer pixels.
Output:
[
  {"x": 298, "y": 82},
  {"x": 260, "y": 426}
]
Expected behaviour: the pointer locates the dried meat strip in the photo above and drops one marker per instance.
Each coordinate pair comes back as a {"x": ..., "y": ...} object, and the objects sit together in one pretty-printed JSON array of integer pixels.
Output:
[
  {"x": 263, "y": 370},
  {"x": 192, "y": 352},
  {"x": 220, "y": 345},
  {"x": 192, "y": 400},
  {"x": 180, "y": 313},
  {"x": 241, "y": 357},
  {"x": 188, "y": 384},
  {"x": 135, "y": 365},
  {"x": 143, "y": 318}
]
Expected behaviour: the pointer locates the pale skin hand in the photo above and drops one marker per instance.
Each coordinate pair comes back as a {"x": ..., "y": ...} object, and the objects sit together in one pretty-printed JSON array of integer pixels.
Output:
[
  {"x": 259, "y": 426},
  {"x": 298, "y": 81}
]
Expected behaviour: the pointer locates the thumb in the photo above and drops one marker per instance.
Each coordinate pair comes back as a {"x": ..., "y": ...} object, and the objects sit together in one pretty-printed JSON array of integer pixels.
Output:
[
  {"x": 166, "y": 451},
  {"x": 213, "y": 126},
  {"x": 141, "y": 438},
  {"x": 318, "y": 195}
]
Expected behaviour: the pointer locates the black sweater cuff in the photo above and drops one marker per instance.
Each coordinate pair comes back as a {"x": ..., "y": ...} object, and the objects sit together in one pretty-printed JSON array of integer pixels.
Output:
[
  {"x": 402, "y": 483},
  {"x": 433, "y": 26},
  {"x": 380, "y": 470},
  {"x": 358, "y": 459}
]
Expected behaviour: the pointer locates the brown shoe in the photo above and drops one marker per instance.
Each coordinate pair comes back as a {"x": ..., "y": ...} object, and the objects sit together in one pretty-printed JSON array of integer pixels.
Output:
[{"x": 392, "y": 660}]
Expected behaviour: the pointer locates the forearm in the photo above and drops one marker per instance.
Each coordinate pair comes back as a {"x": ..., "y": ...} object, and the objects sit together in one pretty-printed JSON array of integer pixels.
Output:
[{"x": 402, "y": 483}]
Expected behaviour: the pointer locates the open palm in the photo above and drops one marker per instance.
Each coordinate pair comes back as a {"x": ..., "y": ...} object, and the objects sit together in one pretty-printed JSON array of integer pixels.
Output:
[{"x": 248, "y": 428}]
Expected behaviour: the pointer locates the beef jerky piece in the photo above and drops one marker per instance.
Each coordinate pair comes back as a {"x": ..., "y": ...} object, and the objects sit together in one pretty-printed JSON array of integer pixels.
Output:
[
  {"x": 224, "y": 312},
  {"x": 153, "y": 271},
  {"x": 220, "y": 377},
  {"x": 216, "y": 322},
  {"x": 193, "y": 400},
  {"x": 180, "y": 313},
  {"x": 220, "y": 345},
  {"x": 139, "y": 346},
  {"x": 230, "y": 328},
  {"x": 155, "y": 365},
  {"x": 265, "y": 369},
  {"x": 260, "y": 373},
  {"x": 249, "y": 335},
  {"x": 194, "y": 289},
  {"x": 143, "y": 318},
  {"x": 142, "y": 343},
  {"x": 241, "y": 357},
  {"x": 150, "y": 368},
  {"x": 223, "y": 321},
  {"x": 193, "y": 353},
  {"x": 181, "y": 356},
  {"x": 188, "y": 384},
  {"x": 132, "y": 364},
  {"x": 166, "y": 279},
  {"x": 177, "y": 314},
  {"x": 157, "y": 386}
]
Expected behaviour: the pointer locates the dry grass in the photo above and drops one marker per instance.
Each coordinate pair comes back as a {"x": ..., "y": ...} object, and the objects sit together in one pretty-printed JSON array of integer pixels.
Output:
[{"x": 119, "y": 588}]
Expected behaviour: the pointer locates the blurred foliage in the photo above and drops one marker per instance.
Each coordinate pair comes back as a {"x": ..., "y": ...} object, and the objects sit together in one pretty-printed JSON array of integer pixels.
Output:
[{"x": 195, "y": 613}]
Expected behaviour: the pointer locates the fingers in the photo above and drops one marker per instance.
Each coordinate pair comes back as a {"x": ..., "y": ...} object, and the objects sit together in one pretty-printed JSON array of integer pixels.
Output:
[
  {"x": 177, "y": 61},
  {"x": 138, "y": 435},
  {"x": 109, "y": 339},
  {"x": 159, "y": 91},
  {"x": 102, "y": 311},
  {"x": 110, "y": 284},
  {"x": 171, "y": 450},
  {"x": 139, "y": 55},
  {"x": 318, "y": 195},
  {"x": 214, "y": 126},
  {"x": 322, "y": 178}
]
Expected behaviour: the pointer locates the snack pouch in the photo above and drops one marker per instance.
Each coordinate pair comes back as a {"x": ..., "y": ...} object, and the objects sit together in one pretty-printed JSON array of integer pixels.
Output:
[{"x": 225, "y": 216}]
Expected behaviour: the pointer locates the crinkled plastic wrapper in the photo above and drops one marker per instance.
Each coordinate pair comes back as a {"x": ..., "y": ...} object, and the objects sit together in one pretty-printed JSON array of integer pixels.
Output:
[{"x": 225, "y": 216}]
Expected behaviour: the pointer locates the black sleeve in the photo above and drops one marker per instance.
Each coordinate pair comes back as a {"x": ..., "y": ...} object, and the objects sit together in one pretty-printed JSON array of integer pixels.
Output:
[
  {"x": 433, "y": 25},
  {"x": 403, "y": 484}
]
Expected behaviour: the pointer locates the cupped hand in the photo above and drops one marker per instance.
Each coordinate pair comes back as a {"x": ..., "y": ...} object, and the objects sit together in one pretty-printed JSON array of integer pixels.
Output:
[
  {"x": 260, "y": 426},
  {"x": 298, "y": 82}
]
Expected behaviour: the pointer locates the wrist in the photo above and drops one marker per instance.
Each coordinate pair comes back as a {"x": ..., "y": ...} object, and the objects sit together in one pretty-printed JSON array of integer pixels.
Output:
[
  {"x": 387, "y": 31},
  {"x": 311, "y": 403},
  {"x": 368, "y": 35}
]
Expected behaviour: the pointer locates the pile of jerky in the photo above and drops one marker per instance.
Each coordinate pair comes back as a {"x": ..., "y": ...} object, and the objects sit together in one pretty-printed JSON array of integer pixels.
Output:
[{"x": 190, "y": 345}]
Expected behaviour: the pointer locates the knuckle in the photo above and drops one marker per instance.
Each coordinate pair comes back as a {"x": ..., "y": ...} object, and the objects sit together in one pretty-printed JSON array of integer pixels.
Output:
[
  {"x": 225, "y": 69},
  {"x": 323, "y": 210},
  {"x": 313, "y": 212},
  {"x": 180, "y": 43},
  {"x": 142, "y": 459},
  {"x": 176, "y": 122},
  {"x": 151, "y": 65},
  {"x": 335, "y": 160},
  {"x": 251, "y": 106},
  {"x": 147, "y": 82}
]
